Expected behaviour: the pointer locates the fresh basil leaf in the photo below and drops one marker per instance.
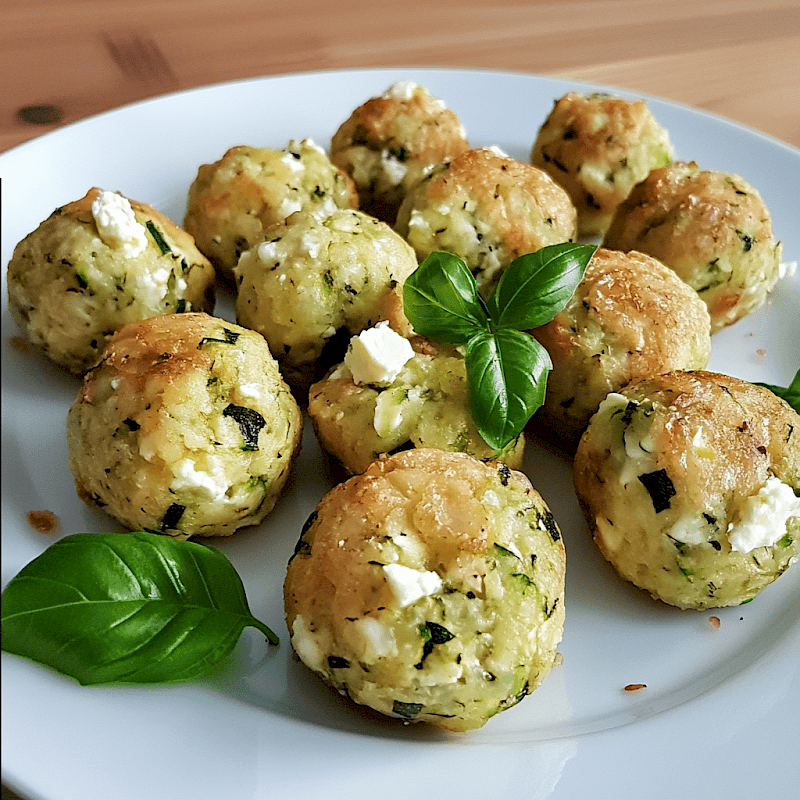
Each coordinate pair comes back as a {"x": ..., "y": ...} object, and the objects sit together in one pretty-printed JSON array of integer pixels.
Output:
[
  {"x": 132, "y": 607},
  {"x": 507, "y": 375},
  {"x": 441, "y": 300},
  {"x": 790, "y": 394},
  {"x": 506, "y": 367},
  {"x": 536, "y": 286}
]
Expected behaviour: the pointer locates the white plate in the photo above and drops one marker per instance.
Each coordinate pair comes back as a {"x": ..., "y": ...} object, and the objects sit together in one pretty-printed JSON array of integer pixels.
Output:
[{"x": 721, "y": 708}]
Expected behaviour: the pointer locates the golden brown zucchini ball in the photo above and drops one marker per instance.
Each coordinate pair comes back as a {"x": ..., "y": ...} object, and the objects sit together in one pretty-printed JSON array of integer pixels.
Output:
[
  {"x": 630, "y": 317},
  {"x": 98, "y": 263},
  {"x": 711, "y": 227},
  {"x": 488, "y": 209},
  {"x": 250, "y": 188},
  {"x": 598, "y": 147},
  {"x": 392, "y": 141},
  {"x": 309, "y": 281},
  {"x": 689, "y": 483},
  {"x": 425, "y": 404},
  {"x": 429, "y": 588},
  {"x": 184, "y": 428}
]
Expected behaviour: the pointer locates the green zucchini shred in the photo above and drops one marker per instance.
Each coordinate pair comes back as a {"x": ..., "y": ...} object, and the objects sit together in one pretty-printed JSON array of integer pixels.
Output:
[
  {"x": 158, "y": 238},
  {"x": 250, "y": 423}
]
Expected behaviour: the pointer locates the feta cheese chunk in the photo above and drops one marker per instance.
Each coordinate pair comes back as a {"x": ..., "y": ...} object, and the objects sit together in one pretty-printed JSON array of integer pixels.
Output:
[
  {"x": 377, "y": 355},
  {"x": 187, "y": 476},
  {"x": 498, "y": 151},
  {"x": 395, "y": 170},
  {"x": 410, "y": 585},
  {"x": 401, "y": 90},
  {"x": 117, "y": 225},
  {"x": 763, "y": 516},
  {"x": 372, "y": 639},
  {"x": 786, "y": 269},
  {"x": 690, "y": 529},
  {"x": 306, "y": 645},
  {"x": 151, "y": 287}
]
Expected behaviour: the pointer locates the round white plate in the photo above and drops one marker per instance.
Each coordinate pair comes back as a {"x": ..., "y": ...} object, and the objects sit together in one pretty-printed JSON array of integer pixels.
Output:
[{"x": 721, "y": 711}]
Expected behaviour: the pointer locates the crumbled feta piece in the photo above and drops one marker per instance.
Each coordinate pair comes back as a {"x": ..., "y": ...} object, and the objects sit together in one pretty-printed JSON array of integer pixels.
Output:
[
  {"x": 638, "y": 443},
  {"x": 390, "y": 410},
  {"x": 117, "y": 225},
  {"x": 417, "y": 220},
  {"x": 394, "y": 168},
  {"x": 612, "y": 402},
  {"x": 762, "y": 517},
  {"x": 309, "y": 245},
  {"x": 187, "y": 476},
  {"x": 786, "y": 269},
  {"x": 292, "y": 161},
  {"x": 372, "y": 639},
  {"x": 377, "y": 355},
  {"x": 440, "y": 673},
  {"x": 493, "y": 148},
  {"x": 306, "y": 646},
  {"x": 249, "y": 390},
  {"x": 345, "y": 223},
  {"x": 150, "y": 287},
  {"x": 310, "y": 143},
  {"x": 267, "y": 251},
  {"x": 598, "y": 121},
  {"x": 636, "y": 437},
  {"x": 490, "y": 498},
  {"x": 288, "y": 206},
  {"x": 410, "y": 546},
  {"x": 595, "y": 175},
  {"x": 402, "y": 90},
  {"x": 410, "y": 585},
  {"x": 690, "y": 530}
]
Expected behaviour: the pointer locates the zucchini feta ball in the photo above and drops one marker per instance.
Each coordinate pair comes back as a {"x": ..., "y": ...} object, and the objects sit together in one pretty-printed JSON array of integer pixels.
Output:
[
  {"x": 598, "y": 147},
  {"x": 418, "y": 398},
  {"x": 185, "y": 428},
  {"x": 630, "y": 317},
  {"x": 712, "y": 228},
  {"x": 250, "y": 188},
  {"x": 689, "y": 482},
  {"x": 488, "y": 209},
  {"x": 430, "y": 589},
  {"x": 392, "y": 141},
  {"x": 98, "y": 263},
  {"x": 311, "y": 283}
]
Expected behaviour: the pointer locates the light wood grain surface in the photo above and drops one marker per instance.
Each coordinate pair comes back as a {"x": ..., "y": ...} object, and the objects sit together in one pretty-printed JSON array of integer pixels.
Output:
[{"x": 74, "y": 58}]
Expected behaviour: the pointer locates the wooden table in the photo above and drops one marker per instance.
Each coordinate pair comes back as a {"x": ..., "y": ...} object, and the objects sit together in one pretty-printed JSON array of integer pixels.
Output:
[{"x": 63, "y": 60}]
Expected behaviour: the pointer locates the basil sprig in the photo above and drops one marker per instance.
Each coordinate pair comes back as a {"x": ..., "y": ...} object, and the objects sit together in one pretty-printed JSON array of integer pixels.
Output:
[
  {"x": 506, "y": 367},
  {"x": 132, "y": 607},
  {"x": 791, "y": 393}
]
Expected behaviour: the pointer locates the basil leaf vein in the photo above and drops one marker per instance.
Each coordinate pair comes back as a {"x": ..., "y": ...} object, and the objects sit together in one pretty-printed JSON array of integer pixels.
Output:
[
  {"x": 442, "y": 297},
  {"x": 536, "y": 286},
  {"x": 507, "y": 374}
]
